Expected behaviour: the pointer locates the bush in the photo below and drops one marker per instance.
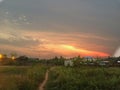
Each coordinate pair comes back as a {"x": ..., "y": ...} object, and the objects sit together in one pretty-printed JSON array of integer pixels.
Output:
[{"x": 84, "y": 78}]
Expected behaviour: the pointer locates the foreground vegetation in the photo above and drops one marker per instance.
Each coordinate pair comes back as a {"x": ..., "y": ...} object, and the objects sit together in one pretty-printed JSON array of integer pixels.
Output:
[
  {"x": 84, "y": 78},
  {"x": 21, "y": 77},
  {"x": 24, "y": 73}
]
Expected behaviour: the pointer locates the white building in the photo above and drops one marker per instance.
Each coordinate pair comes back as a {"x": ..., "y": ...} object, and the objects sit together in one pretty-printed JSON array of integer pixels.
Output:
[
  {"x": 88, "y": 58},
  {"x": 68, "y": 63},
  {"x": 103, "y": 63},
  {"x": 118, "y": 62}
]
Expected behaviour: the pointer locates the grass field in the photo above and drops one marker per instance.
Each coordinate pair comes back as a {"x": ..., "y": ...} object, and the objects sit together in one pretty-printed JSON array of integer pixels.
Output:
[
  {"x": 60, "y": 78},
  {"x": 84, "y": 78},
  {"x": 21, "y": 77}
]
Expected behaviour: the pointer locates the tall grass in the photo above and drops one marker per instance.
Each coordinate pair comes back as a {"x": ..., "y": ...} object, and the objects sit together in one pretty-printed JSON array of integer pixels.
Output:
[
  {"x": 84, "y": 78},
  {"x": 21, "y": 78}
]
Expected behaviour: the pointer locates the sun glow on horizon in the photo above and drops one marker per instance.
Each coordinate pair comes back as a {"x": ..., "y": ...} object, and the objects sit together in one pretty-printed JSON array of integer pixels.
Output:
[
  {"x": 83, "y": 51},
  {"x": 69, "y": 47},
  {"x": 72, "y": 50}
]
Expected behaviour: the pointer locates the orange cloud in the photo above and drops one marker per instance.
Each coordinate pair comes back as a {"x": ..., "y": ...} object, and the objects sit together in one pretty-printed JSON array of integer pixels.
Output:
[
  {"x": 54, "y": 44},
  {"x": 68, "y": 50},
  {"x": 70, "y": 44},
  {"x": 83, "y": 51}
]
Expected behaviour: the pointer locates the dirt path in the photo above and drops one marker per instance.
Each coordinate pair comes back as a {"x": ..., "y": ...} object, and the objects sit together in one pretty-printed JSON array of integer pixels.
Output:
[{"x": 42, "y": 85}]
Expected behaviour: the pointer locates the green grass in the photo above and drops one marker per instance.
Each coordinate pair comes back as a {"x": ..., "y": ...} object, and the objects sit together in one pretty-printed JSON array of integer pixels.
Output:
[
  {"x": 60, "y": 78},
  {"x": 84, "y": 78},
  {"x": 21, "y": 77}
]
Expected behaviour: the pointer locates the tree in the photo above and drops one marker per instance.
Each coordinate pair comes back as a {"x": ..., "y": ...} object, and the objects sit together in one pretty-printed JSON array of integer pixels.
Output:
[
  {"x": 77, "y": 61},
  {"x": 22, "y": 60}
]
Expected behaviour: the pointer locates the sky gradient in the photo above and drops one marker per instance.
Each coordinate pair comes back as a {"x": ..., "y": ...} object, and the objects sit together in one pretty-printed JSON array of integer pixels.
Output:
[{"x": 48, "y": 28}]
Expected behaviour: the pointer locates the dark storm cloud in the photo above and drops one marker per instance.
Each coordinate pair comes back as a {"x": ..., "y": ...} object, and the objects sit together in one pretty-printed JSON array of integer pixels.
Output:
[
  {"x": 93, "y": 16},
  {"x": 90, "y": 16}
]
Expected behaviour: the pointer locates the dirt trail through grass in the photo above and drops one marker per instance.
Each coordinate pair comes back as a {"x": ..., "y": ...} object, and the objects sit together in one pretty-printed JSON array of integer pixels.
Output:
[{"x": 42, "y": 85}]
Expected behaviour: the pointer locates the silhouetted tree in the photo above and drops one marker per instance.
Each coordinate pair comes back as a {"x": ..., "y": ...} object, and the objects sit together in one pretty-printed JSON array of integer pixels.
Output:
[{"x": 22, "y": 60}]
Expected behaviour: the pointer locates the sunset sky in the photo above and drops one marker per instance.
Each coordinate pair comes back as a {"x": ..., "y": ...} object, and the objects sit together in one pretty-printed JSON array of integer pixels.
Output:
[{"x": 48, "y": 28}]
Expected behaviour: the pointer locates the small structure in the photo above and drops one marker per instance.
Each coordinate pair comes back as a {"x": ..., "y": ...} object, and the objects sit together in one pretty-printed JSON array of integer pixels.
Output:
[
  {"x": 88, "y": 58},
  {"x": 68, "y": 63},
  {"x": 118, "y": 62},
  {"x": 103, "y": 63}
]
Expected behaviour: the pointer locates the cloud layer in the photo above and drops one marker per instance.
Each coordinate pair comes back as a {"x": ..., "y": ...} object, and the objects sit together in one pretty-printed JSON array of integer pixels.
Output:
[
  {"x": 1, "y": 1},
  {"x": 39, "y": 28}
]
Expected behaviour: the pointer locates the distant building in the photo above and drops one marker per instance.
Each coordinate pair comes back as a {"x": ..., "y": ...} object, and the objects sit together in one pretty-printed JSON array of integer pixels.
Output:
[
  {"x": 68, "y": 63},
  {"x": 118, "y": 62},
  {"x": 88, "y": 58},
  {"x": 103, "y": 63}
]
